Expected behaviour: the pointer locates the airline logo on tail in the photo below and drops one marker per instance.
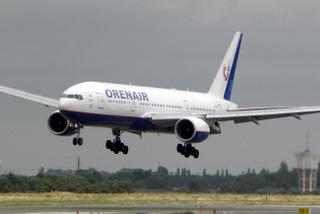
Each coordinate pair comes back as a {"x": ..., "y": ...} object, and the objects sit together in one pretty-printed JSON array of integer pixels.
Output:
[
  {"x": 222, "y": 84},
  {"x": 226, "y": 71}
]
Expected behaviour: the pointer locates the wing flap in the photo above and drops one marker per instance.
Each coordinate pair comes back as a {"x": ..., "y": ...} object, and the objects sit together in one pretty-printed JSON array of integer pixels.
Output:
[
  {"x": 163, "y": 120},
  {"x": 49, "y": 102}
]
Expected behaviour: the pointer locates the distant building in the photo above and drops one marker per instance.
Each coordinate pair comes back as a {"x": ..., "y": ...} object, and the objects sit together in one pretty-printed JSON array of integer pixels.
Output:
[{"x": 307, "y": 170}]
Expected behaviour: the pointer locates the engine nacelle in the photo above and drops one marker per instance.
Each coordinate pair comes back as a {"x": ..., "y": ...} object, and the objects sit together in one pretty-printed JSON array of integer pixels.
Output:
[
  {"x": 192, "y": 129},
  {"x": 59, "y": 125}
]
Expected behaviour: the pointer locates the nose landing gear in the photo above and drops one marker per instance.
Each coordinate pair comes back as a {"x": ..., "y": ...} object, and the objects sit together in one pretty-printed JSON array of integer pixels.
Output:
[
  {"x": 77, "y": 140},
  {"x": 187, "y": 150}
]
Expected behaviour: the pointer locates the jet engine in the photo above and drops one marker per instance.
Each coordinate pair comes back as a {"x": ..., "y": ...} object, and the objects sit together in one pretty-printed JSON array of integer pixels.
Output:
[
  {"x": 59, "y": 125},
  {"x": 191, "y": 130}
]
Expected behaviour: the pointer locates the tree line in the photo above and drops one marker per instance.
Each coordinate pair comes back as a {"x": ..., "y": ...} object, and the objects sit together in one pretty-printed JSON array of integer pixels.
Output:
[{"x": 129, "y": 180}]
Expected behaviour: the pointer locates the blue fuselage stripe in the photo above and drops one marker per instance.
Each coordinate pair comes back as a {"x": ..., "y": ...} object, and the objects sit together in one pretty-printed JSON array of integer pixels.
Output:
[{"x": 94, "y": 119}]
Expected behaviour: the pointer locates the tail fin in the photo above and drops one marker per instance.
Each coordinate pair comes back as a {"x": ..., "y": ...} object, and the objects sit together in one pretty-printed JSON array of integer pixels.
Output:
[{"x": 223, "y": 82}]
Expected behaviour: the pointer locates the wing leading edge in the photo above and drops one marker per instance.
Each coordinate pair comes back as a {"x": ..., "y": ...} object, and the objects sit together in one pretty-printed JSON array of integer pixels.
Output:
[
  {"x": 46, "y": 101},
  {"x": 242, "y": 115}
]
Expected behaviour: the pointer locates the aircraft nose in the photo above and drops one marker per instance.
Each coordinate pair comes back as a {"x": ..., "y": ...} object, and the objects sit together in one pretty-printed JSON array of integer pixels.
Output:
[{"x": 66, "y": 104}]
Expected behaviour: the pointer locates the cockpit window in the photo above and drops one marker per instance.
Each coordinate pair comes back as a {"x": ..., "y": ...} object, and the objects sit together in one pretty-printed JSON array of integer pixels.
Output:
[{"x": 74, "y": 96}]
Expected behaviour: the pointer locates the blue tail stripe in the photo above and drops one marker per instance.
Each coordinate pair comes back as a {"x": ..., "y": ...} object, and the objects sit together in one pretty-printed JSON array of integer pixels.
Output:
[{"x": 228, "y": 91}]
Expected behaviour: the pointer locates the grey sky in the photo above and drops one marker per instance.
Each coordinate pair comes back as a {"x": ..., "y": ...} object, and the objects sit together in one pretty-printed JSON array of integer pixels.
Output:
[{"x": 47, "y": 46}]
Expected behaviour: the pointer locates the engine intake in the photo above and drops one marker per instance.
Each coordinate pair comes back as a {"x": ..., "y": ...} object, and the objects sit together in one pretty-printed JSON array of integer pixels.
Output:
[
  {"x": 192, "y": 129},
  {"x": 59, "y": 125}
]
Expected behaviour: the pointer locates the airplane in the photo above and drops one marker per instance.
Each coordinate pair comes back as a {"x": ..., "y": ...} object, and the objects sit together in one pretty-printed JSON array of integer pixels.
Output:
[{"x": 191, "y": 116}]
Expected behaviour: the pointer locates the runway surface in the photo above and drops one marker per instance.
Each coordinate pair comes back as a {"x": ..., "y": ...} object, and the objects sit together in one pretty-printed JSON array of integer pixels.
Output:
[{"x": 157, "y": 209}]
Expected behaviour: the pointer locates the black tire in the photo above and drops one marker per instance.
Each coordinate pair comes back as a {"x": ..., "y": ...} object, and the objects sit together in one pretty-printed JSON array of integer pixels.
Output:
[
  {"x": 180, "y": 148},
  {"x": 80, "y": 141},
  {"x": 193, "y": 151},
  {"x": 75, "y": 141},
  {"x": 188, "y": 149},
  {"x": 108, "y": 144},
  {"x": 112, "y": 147},
  {"x": 196, "y": 154},
  {"x": 121, "y": 147},
  {"x": 125, "y": 150},
  {"x": 186, "y": 154},
  {"x": 117, "y": 147}
]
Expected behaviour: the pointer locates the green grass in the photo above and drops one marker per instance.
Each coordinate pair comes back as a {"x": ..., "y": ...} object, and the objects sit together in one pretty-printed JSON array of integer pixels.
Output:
[{"x": 65, "y": 199}]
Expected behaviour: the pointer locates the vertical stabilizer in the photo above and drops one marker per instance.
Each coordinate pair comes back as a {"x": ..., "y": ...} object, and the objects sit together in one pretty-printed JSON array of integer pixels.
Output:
[{"x": 223, "y": 82}]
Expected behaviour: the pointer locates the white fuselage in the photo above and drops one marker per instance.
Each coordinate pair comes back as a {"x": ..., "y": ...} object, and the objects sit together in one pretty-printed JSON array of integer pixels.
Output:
[{"x": 126, "y": 106}]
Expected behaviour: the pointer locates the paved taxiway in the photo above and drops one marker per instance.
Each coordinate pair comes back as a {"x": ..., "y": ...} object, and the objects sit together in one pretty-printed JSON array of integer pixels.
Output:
[{"x": 158, "y": 209}]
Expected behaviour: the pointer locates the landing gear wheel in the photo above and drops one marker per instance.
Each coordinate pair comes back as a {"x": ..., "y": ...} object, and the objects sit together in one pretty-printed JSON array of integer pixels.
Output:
[
  {"x": 125, "y": 150},
  {"x": 108, "y": 144},
  {"x": 117, "y": 147},
  {"x": 180, "y": 148},
  {"x": 187, "y": 150},
  {"x": 80, "y": 141},
  {"x": 196, "y": 154},
  {"x": 75, "y": 141},
  {"x": 112, "y": 147},
  {"x": 121, "y": 146}
]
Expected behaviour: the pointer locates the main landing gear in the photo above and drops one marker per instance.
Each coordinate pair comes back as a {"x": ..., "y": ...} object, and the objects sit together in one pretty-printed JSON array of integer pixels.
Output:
[
  {"x": 187, "y": 149},
  {"x": 77, "y": 140},
  {"x": 116, "y": 145}
]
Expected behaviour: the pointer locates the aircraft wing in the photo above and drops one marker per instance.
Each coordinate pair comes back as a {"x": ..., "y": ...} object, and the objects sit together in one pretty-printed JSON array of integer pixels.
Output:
[
  {"x": 240, "y": 115},
  {"x": 255, "y": 115},
  {"x": 49, "y": 102}
]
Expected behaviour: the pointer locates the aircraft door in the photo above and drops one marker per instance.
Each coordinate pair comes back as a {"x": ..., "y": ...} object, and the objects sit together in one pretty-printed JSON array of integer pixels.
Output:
[
  {"x": 100, "y": 101},
  {"x": 133, "y": 106},
  {"x": 91, "y": 101},
  {"x": 186, "y": 105}
]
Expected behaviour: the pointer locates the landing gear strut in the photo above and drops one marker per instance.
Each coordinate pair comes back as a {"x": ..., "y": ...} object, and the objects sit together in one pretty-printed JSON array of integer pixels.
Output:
[
  {"x": 116, "y": 145},
  {"x": 77, "y": 140},
  {"x": 187, "y": 149}
]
